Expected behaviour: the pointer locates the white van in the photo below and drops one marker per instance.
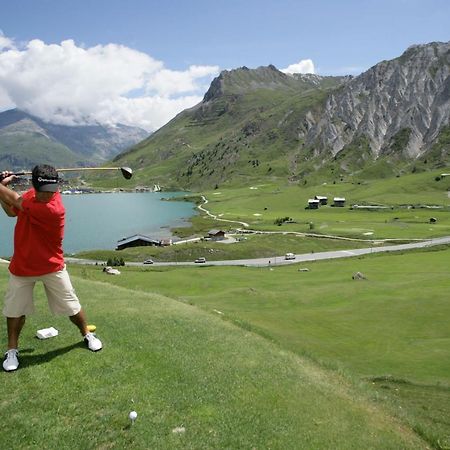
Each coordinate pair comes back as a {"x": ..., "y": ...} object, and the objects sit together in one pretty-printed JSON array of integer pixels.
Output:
[
  {"x": 200, "y": 260},
  {"x": 289, "y": 256}
]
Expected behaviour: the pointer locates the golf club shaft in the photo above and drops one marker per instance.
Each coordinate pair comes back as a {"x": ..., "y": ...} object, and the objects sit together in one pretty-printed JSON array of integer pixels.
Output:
[
  {"x": 74, "y": 169},
  {"x": 126, "y": 171}
]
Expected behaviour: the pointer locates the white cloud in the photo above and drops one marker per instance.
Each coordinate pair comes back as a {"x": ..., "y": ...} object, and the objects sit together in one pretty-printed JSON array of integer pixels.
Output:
[
  {"x": 303, "y": 66},
  {"x": 349, "y": 70},
  {"x": 5, "y": 101},
  {"x": 66, "y": 83},
  {"x": 5, "y": 42},
  {"x": 169, "y": 82}
]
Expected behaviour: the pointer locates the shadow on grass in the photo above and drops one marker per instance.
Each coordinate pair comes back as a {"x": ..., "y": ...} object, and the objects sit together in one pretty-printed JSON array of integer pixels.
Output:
[{"x": 27, "y": 360}]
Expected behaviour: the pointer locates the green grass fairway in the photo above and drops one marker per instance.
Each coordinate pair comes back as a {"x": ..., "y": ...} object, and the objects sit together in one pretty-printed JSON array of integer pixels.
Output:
[
  {"x": 178, "y": 366},
  {"x": 390, "y": 332},
  {"x": 410, "y": 202}
]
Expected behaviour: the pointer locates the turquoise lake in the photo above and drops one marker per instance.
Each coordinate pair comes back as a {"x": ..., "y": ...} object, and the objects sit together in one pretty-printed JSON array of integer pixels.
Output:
[{"x": 98, "y": 221}]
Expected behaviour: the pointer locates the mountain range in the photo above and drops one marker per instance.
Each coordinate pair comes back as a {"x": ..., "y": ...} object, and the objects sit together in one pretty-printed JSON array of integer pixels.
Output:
[
  {"x": 263, "y": 124},
  {"x": 26, "y": 140},
  {"x": 255, "y": 124}
]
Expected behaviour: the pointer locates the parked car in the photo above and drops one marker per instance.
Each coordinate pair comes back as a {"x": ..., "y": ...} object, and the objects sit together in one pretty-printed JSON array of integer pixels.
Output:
[
  {"x": 148, "y": 261},
  {"x": 200, "y": 260},
  {"x": 289, "y": 256}
]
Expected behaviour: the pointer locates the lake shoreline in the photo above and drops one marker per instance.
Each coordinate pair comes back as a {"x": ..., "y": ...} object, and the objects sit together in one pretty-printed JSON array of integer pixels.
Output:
[{"x": 100, "y": 220}]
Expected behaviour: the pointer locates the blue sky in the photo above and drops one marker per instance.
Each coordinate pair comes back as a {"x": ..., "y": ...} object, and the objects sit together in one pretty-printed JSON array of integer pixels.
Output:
[{"x": 173, "y": 49}]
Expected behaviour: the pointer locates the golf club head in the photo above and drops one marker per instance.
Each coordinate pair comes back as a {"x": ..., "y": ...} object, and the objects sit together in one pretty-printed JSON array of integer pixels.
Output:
[{"x": 126, "y": 172}]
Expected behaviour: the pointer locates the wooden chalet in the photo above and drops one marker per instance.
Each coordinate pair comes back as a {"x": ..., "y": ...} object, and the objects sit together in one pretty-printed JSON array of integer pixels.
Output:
[
  {"x": 339, "y": 202},
  {"x": 322, "y": 199},
  {"x": 137, "y": 240},
  {"x": 216, "y": 235}
]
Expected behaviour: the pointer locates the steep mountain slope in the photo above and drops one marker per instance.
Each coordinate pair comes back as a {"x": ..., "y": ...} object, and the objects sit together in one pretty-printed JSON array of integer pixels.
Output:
[
  {"x": 26, "y": 140},
  {"x": 395, "y": 111},
  {"x": 246, "y": 127},
  {"x": 254, "y": 124},
  {"x": 24, "y": 143}
]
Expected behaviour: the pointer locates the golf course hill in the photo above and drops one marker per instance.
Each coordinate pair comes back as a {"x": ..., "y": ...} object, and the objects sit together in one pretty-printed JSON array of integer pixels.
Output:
[
  {"x": 194, "y": 379},
  {"x": 255, "y": 124}
]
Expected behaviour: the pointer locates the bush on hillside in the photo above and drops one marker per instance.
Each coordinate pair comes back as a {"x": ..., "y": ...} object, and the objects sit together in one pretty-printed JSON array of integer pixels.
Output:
[
  {"x": 280, "y": 220},
  {"x": 115, "y": 261}
]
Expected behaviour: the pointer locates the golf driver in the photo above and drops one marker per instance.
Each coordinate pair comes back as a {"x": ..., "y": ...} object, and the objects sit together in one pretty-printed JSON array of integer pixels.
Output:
[{"x": 126, "y": 171}]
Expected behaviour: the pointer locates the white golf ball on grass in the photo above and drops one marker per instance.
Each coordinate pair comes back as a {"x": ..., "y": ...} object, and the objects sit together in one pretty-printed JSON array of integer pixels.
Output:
[{"x": 132, "y": 415}]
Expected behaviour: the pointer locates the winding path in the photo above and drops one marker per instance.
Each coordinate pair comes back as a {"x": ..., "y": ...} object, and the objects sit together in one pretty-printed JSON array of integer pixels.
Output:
[{"x": 215, "y": 217}]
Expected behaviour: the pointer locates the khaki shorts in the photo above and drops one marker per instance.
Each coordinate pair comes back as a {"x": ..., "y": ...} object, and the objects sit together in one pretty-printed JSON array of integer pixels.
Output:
[{"x": 61, "y": 296}]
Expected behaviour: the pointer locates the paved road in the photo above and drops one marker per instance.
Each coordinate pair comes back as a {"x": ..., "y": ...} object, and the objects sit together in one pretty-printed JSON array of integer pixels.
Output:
[{"x": 279, "y": 260}]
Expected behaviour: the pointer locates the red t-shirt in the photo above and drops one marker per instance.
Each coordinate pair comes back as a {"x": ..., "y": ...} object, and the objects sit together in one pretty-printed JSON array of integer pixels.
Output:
[{"x": 38, "y": 236}]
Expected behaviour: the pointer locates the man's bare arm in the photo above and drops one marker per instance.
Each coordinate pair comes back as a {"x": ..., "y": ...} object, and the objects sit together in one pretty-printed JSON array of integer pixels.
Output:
[
  {"x": 8, "y": 198},
  {"x": 8, "y": 209}
]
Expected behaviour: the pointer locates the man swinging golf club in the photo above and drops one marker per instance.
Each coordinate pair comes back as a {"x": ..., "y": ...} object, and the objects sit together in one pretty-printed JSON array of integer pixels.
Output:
[{"x": 38, "y": 256}]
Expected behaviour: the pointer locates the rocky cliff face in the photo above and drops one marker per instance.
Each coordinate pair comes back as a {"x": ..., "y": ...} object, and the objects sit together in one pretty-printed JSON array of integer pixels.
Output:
[{"x": 407, "y": 98}]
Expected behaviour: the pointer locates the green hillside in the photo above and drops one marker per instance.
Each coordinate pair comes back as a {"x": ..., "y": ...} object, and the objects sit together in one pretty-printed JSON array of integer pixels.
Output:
[
  {"x": 27, "y": 140},
  {"x": 242, "y": 137},
  {"x": 28, "y": 149},
  {"x": 387, "y": 335},
  {"x": 247, "y": 128},
  {"x": 196, "y": 381},
  {"x": 262, "y": 124}
]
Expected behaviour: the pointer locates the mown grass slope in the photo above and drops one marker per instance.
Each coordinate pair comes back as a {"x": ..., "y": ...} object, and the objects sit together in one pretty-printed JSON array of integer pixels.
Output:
[
  {"x": 388, "y": 333},
  {"x": 180, "y": 368}
]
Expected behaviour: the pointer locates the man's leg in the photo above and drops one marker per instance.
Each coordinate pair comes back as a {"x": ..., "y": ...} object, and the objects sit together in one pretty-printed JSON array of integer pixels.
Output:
[
  {"x": 62, "y": 299},
  {"x": 18, "y": 304},
  {"x": 92, "y": 341},
  {"x": 80, "y": 321},
  {"x": 14, "y": 325}
]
